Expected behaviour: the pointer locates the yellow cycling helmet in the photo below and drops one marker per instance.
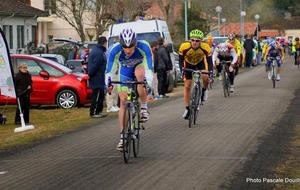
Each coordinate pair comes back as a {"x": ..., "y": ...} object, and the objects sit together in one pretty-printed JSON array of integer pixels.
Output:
[{"x": 196, "y": 34}]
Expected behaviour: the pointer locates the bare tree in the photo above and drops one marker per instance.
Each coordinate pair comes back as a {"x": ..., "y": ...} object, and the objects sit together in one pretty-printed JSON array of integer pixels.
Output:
[
  {"x": 72, "y": 12},
  {"x": 101, "y": 14},
  {"x": 129, "y": 9},
  {"x": 106, "y": 12}
]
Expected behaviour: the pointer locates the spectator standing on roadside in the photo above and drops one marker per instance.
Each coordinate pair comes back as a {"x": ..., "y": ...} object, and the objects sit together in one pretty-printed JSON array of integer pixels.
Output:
[
  {"x": 259, "y": 52},
  {"x": 164, "y": 65},
  {"x": 96, "y": 72},
  {"x": 23, "y": 88},
  {"x": 112, "y": 98},
  {"x": 74, "y": 54},
  {"x": 249, "y": 46},
  {"x": 85, "y": 57},
  {"x": 154, "y": 47}
]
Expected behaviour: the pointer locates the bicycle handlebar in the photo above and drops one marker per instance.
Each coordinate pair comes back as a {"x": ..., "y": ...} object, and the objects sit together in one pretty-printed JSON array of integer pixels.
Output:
[
  {"x": 128, "y": 82},
  {"x": 195, "y": 71},
  {"x": 224, "y": 62}
]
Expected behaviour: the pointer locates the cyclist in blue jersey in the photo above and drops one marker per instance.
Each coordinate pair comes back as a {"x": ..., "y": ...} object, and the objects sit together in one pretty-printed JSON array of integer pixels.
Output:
[
  {"x": 275, "y": 51},
  {"x": 132, "y": 59}
]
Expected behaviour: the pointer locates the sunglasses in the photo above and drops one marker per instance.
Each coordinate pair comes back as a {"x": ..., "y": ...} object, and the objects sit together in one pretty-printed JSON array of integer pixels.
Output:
[
  {"x": 127, "y": 47},
  {"x": 194, "y": 40}
]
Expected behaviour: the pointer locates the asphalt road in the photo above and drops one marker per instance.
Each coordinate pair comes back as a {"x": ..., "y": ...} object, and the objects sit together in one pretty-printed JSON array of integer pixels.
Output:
[{"x": 173, "y": 156}]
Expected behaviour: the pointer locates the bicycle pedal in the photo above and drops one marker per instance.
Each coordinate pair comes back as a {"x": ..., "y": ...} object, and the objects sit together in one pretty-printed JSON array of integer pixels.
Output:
[{"x": 142, "y": 127}]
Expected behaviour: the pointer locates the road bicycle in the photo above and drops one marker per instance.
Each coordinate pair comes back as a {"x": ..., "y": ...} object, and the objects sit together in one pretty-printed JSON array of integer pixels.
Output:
[
  {"x": 225, "y": 76},
  {"x": 131, "y": 120},
  {"x": 195, "y": 96},
  {"x": 273, "y": 71}
]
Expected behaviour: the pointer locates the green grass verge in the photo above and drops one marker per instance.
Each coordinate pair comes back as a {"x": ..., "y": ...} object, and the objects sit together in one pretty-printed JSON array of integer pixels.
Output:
[{"x": 48, "y": 123}]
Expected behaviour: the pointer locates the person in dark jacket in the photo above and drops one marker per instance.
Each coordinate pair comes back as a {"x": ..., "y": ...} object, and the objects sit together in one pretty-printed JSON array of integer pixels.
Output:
[
  {"x": 23, "y": 89},
  {"x": 249, "y": 45},
  {"x": 164, "y": 65},
  {"x": 96, "y": 72}
]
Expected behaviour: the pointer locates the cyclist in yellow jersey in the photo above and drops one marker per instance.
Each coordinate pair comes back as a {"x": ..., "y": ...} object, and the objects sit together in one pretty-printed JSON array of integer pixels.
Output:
[
  {"x": 238, "y": 49},
  {"x": 296, "y": 48},
  {"x": 193, "y": 55}
]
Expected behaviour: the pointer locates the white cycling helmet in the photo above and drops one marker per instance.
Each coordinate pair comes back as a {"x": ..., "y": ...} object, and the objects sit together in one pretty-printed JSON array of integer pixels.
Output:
[{"x": 128, "y": 38}]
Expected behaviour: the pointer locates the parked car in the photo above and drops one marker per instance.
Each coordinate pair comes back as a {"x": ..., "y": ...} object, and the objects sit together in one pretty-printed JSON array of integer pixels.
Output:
[
  {"x": 77, "y": 65},
  {"x": 217, "y": 40},
  {"x": 177, "y": 70},
  {"x": 54, "y": 57},
  {"x": 52, "y": 83}
]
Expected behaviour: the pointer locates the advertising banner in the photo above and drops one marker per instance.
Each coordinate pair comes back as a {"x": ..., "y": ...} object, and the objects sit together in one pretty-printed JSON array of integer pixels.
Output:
[{"x": 6, "y": 76}]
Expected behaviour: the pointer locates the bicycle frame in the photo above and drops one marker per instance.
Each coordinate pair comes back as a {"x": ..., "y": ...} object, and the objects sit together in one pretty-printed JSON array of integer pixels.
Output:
[
  {"x": 273, "y": 71},
  {"x": 131, "y": 119},
  {"x": 196, "y": 95}
]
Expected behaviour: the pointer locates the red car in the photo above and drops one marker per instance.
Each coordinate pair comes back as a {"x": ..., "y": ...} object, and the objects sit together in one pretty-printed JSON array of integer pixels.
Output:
[{"x": 52, "y": 83}]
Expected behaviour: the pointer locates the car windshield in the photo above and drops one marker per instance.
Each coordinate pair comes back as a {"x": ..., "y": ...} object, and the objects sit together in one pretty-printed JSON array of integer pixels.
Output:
[
  {"x": 149, "y": 37},
  {"x": 219, "y": 40},
  {"x": 52, "y": 58}
]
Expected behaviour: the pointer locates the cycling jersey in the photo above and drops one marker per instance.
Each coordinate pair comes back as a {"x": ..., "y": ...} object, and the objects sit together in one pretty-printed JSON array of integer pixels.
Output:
[
  {"x": 274, "y": 52},
  {"x": 296, "y": 46},
  {"x": 237, "y": 46},
  {"x": 231, "y": 54},
  {"x": 125, "y": 66},
  {"x": 194, "y": 56}
]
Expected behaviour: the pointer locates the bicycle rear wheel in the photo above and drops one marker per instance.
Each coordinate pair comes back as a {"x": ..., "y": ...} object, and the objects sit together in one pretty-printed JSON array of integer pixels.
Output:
[
  {"x": 137, "y": 128},
  {"x": 127, "y": 134}
]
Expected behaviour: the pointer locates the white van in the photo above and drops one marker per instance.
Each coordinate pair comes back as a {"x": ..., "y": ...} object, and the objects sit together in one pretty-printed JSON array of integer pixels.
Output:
[{"x": 149, "y": 30}]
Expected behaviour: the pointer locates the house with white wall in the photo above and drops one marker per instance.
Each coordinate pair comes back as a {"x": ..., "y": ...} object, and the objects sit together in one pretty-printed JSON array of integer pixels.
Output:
[
  {"x": 53, "y": 26},
  {"x": 19, "y": 23}
]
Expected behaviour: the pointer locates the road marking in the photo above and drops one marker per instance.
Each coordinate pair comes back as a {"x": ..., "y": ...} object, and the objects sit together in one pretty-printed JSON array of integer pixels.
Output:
[{"x": 3, "y": 172}]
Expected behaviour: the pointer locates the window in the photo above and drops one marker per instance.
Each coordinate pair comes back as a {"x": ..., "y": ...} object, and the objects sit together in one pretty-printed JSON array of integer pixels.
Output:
[
  {"x": 8, "y": 32},
  {"x": 33, "y": 34},
  {"x": 33, "y": 67},
  {"x": 20, "y": 36},
  {"x": 50, "y": 6},
  {"x": 51, "y": 70}
]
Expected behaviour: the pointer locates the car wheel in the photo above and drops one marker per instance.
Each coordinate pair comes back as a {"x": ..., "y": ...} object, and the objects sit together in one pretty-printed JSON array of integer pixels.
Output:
[{"x": 66, "y": 99}]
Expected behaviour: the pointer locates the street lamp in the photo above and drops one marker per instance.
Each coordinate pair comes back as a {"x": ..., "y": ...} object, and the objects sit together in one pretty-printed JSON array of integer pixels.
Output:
[
  {"x": 219, "y": 10},
  {"x": 223, "y": 20},
  {"x": 243, "y": 14},
  {"x": 185, "y": 20},
  {"x": 257, "y": 17},
  {"x": 187, "y": 4}
]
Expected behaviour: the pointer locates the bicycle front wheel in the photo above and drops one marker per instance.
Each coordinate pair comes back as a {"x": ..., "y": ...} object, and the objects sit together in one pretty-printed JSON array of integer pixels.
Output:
[
  {"x": 225, "y": 84},
  {"x": 127, "y": 134},
  {"x": 197, "y": 103},
  {"x": 273, "y": 77},
  {"x": 136, "y": 130},
  {"x": 192, "y": 107}
]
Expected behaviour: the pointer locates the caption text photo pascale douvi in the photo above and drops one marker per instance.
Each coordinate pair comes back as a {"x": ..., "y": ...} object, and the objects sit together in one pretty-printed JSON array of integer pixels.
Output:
[{"x": 273, "y": 180}]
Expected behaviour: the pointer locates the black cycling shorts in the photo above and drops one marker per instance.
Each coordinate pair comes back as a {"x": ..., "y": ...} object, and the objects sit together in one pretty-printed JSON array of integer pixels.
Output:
[{"x": 189, "y": 75}]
